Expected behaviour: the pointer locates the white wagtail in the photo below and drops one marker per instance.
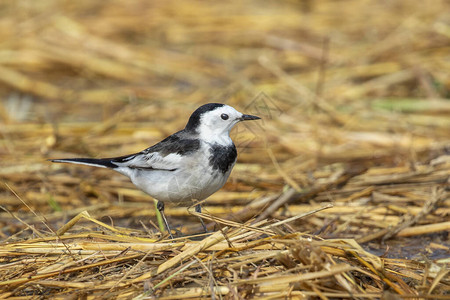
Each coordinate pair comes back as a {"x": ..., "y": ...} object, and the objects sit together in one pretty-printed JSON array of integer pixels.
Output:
[{"x": 191, "y": 164}]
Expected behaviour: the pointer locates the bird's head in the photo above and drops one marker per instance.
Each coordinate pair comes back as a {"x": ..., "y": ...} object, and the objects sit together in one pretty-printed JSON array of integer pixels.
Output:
[{"x": 213, "y": 122}]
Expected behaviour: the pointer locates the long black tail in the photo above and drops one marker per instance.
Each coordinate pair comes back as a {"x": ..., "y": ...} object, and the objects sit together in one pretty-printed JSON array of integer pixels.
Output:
[{"x": 101, "y": 162}]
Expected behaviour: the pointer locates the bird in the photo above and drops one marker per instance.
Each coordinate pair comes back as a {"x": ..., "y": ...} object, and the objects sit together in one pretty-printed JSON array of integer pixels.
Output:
[{"x": 189, "y": 165}]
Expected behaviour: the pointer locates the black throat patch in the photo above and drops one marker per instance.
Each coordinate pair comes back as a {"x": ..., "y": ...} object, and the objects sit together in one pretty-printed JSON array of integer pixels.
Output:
[{"x": 222, "y": 157}]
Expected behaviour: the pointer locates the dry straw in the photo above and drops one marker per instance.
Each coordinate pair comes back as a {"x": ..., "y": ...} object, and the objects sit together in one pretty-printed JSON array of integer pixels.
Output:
[{"x": 341, "y": 191}]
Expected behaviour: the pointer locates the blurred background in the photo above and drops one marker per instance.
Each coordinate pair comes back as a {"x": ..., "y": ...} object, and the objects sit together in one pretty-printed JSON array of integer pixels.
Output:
[{"x": 354, "y": 97}]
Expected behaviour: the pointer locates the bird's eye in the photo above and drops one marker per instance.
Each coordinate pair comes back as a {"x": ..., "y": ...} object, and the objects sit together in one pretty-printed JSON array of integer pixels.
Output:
[{"x": 224, "y": 117}]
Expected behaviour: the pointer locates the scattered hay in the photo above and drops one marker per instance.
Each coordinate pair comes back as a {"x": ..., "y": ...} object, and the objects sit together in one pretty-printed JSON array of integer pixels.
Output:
[
  {"x": 257, "y": 260},
  {"x": 341, "y": 191}
]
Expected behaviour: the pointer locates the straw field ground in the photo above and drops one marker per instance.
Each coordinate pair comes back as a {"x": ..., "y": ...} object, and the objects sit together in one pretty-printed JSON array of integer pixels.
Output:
[{"x": 340, "y": 191}]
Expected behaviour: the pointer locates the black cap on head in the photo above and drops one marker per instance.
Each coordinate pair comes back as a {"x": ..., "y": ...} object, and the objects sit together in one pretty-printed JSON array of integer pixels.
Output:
[{"x": 194, "y": 120}]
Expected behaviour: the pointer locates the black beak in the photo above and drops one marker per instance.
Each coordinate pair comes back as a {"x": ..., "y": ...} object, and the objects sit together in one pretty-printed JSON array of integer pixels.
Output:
[{"x": 248, "y": 117}]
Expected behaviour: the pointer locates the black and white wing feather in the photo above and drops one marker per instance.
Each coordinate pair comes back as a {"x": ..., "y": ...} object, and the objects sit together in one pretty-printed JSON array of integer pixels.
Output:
[{"x": 166, "y": 155}]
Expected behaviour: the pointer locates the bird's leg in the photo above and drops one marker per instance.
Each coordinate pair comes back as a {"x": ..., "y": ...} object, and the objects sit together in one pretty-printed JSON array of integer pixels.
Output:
[
  {"x": 160, "y": 207},
  {"x": 198, "y": 208}
]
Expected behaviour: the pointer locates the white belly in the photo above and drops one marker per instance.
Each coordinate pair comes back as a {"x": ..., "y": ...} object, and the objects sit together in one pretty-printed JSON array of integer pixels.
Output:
[
  {"x": 182, "y": 185},
  {"x": 193, "y": 177}
]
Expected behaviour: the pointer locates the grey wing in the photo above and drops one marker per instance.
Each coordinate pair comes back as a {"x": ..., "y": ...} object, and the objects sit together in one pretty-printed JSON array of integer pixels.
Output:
[
  {"x": 172, "y": 153},
  {"x": 150, "y": 161}
]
